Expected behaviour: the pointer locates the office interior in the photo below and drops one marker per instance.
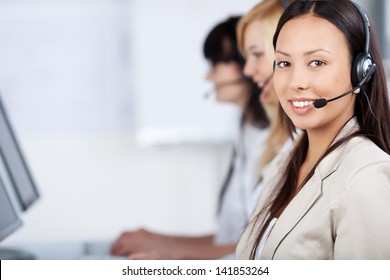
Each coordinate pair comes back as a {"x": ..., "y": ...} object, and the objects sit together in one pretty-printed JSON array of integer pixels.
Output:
[{"x": 107, "y": 100}]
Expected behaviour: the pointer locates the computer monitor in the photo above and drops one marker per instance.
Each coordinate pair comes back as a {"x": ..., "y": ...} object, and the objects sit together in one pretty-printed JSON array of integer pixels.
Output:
[
  {"x": 9, "y": 220},
  {"x": 15, "y": 164}
]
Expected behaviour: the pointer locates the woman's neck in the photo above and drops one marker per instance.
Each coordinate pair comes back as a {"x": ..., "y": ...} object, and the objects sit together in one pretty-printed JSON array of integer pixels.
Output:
[{"x": 319, "y": 141}]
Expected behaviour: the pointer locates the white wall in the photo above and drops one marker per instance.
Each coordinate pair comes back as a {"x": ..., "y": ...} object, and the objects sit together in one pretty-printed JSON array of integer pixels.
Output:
[
  {"x": 87, "y": 82},
  {"x": 167, "y": 49}
]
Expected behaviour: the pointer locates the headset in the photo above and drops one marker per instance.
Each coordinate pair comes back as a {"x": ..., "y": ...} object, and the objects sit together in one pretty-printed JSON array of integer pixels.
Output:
[{"x": 285, "y": 3}]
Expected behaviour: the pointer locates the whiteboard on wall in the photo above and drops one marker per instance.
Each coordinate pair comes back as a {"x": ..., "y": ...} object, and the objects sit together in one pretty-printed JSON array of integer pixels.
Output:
[{"x": 168, "y": 71}]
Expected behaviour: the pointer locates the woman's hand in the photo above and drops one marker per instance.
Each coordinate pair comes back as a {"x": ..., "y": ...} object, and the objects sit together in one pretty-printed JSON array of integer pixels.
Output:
[
  {"x": 141, "y": 240},
  {"x": 151, "y": 255}
]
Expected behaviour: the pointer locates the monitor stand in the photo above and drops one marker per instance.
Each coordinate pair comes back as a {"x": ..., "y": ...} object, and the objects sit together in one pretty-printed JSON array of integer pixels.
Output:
[{"x": 15, "y": 254}]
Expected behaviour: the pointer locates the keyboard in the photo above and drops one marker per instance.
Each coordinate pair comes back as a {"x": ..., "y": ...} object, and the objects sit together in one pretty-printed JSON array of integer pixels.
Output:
[{"x": 98, "y": 250}]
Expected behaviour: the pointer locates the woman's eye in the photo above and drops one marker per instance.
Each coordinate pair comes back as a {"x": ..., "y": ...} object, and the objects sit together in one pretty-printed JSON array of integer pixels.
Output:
[
  {"x": 316, "y": 63},
  {"x": 283, "y": 64},
  {"x": 256, "y": 55}
]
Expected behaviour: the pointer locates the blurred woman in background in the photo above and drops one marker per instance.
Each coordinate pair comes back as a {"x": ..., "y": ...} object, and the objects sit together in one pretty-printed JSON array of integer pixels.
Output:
[
  {"x": 255, "y": 32},
  {"x": 231, "y": 85}
]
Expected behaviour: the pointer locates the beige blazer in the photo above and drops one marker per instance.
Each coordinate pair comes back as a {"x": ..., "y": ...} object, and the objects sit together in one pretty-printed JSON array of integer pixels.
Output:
[{"x": 342, "y": 212}]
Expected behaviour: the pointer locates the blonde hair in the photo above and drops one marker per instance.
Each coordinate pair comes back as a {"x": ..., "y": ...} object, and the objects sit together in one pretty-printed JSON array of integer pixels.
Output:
[{"x": 268, "y": 12}]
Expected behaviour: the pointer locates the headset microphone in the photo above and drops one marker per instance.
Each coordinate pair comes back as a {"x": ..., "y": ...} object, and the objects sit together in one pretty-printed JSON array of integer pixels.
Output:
[
  {"x": 224, "y": 84},
  {"x": 229, "y": 83},
  {"x": 319, "y": 103}
]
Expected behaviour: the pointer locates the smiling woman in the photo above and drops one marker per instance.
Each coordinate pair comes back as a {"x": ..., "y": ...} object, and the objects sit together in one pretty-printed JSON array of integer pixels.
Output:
[{"x": 328, "y": 197}]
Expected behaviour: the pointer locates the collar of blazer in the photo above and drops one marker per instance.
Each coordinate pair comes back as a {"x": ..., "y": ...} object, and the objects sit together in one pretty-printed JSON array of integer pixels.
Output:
[
  {"x": 310, "y": 193},
  {"x": 332, "y": 161}
]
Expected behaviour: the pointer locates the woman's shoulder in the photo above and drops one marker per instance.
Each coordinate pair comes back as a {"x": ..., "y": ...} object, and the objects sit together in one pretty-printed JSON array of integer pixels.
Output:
[
  {"x": 364, "y": 177},
  {"x": 368, "y": 162},
  {"x": 352, "y": 156},
  {"x": 365, "y": 152},
  {"x": 364, "y": 166}
]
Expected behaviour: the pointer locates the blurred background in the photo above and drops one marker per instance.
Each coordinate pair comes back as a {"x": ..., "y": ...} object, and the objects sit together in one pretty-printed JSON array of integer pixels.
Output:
[{"x": 107, "y": 100}]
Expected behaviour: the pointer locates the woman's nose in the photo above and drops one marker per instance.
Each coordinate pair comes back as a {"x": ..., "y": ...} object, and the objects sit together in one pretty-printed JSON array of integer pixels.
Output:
[
  {"x": 209, "y": 75},
  {"x": 249, "y": 69},
  {"x": 299, "y": 80}
]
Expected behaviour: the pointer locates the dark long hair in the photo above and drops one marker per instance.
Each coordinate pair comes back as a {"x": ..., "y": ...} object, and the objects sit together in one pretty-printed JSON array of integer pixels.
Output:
[
  {"x": 371, "y": 107},
  {"x": 221, "y": 46}
]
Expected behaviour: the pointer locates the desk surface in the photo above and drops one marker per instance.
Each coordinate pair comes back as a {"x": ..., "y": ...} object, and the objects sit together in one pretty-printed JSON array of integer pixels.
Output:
[{"x": 69, "y": 250}]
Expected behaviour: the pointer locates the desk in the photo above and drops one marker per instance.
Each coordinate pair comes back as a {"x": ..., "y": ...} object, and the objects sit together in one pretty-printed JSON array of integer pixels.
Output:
[{"x": 69, "y": 250}]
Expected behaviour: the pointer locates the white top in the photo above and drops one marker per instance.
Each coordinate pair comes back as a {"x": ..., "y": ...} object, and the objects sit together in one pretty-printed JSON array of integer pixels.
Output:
[
  {"x": 253, "y": 201},
  {"x": 265, "y": 237},
  {"x": 234, "y": 213}
]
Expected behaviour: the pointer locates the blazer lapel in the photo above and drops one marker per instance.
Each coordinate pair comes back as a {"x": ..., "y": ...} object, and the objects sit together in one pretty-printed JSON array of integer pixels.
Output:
[
  {"x": 293, "y": 213},
  {"x": 309, "y": 194}
]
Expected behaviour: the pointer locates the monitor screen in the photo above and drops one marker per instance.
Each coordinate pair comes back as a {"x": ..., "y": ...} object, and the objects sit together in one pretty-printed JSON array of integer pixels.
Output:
[
  {"x": 9, "y": 220},
  {"x": 15, "y": 165}
]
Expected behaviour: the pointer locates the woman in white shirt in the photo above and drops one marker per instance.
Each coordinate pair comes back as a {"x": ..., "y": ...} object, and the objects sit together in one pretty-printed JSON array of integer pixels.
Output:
[
  {"x": 226, "y": 73},
  {"x": 255, "y": 31}
]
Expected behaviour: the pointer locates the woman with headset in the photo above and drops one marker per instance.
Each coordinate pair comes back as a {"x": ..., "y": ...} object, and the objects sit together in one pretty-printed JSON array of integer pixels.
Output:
[
  {"x": 226, "y": 73},
  {"x": 254, "y": 34},
  {"x": 330, "y": 197}
]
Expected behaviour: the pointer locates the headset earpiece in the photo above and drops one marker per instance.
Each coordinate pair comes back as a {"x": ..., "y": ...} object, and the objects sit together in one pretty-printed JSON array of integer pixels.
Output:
[
  {"x": 362, "y": 61},
  {"x": 360, "y": 67}
]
